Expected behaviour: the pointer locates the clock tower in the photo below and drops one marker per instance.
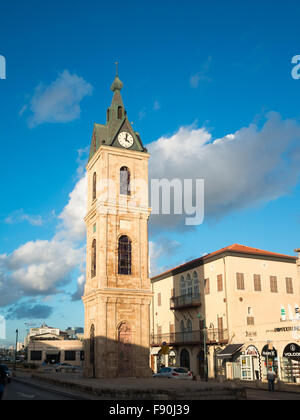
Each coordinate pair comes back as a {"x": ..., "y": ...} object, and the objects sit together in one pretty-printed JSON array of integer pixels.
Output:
[{"x": 117, "y": 293}]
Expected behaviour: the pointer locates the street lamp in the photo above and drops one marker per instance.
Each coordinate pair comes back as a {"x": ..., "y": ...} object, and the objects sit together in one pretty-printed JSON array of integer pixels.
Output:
[
  {"x": 202, "y": 318},
  {"x": 17, "y": 334}
]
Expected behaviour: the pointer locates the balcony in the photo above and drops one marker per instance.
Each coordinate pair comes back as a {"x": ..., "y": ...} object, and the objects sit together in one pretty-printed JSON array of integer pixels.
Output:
[
  {"x": 185, "y": 301},
  {"x": 213, "y": 336}
]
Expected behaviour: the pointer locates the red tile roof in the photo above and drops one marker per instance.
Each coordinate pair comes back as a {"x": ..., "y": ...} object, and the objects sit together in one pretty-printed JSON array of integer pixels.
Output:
[{"x": 235, "y": 248}]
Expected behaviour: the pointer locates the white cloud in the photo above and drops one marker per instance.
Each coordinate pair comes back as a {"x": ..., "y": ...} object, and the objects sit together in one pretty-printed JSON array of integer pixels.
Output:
[
  {"x": 19, "y": 216},
  {"x": 73, "y": 226},
  {"x": 240, "y": 170},
  {"x": 43, "y": 267},
  {"x": 59, "y": 102}
]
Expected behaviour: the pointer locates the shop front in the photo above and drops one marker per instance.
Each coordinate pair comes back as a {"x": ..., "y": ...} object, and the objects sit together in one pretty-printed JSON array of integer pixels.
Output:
[
  {"x": 290, "y": 363},
  {"x": 269, "y": 360}
]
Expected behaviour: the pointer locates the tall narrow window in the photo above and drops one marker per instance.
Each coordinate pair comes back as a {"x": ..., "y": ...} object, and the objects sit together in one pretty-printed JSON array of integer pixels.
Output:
[
  {"x": 273, "y": 284},
  {"x": 107, "y": 115},
  {"x": 124, "y": 181},
  {"x": 124, "y": 255},
  {"x": 289, "y": 285},
  {"x": 240, "y": 282},
  {"x": 94, "y": 186},
  {"x": 206, "y": 287},
  {"x": 182, "y": 286},
  {"x": 93, "y": 259},
  {"x": 196, "y": 283},
  {"x": 120, "y": 112},
  {"x": 189, "y": 285},
  {"x": 220, "y": 283},
  {"x": 257, "y": 282}
]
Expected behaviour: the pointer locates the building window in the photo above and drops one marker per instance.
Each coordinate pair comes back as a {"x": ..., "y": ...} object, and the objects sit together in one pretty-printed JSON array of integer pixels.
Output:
[
  {"x": 189, "y": 285},
  {"x": 206, "y": 287},
  {"x": 124, "y": 181},
  {"x": 120, "y": 112},
  {"x": 124, "y": 251},
  {"x": 250, "y": 320},
  {"x": 36, "y": 356},
  {"x": 257, "y": 282},
  {"x": 182, "y": 286},
  {"x": 93, "y": 259},
  {"x": 107, "y": 115},
  {"x": 94, "y": 228},
  {"x": 196, "y": 283},
  {"x": 70, "y": 356},
  {"x": 240, "y": 282},
  {"x": 289, "y": 285},
  {"x": 94, "y": 186},
  {"x": 273, "y": 284},
  {"x": 159, "y": 299},
  {"x": 82, "y": 356},
  {"x": 220, "y": 283}
]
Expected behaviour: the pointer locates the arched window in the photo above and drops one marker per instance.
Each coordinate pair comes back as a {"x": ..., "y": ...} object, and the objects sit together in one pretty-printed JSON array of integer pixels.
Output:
[
  {"x": 120, "y": 112},
  {"x": 196, "y": 283},
  {"x": 94, "y": 186},
  {"x": 189, "y": 325},
  {"x": 124, "y": 181},
  {"x": 93, "y": 259},
  {"x": 107, "y": 115},
  {"x": 182, "y": 286},
  {"x": 124, "y": 255},
  {"x": 189, "y": 285},
  {"x": 182, "y": 327}
]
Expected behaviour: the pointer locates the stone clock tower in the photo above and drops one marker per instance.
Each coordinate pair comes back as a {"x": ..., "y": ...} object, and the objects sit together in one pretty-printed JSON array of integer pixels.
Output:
[{"x": 117, "y": 292}]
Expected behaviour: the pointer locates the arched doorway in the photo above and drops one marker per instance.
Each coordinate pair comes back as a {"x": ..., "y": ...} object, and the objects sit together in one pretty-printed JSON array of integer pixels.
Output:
[
  {"x": 125, "y": 362},
  {"x": 185, "y": 359}
]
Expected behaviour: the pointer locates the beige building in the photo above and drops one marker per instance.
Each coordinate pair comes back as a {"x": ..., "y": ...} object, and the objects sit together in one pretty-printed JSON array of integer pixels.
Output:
[
  {"x": 51, "y": 348},
  {"x": 117, "y": 293},
  {"x": 240, "y": 303}
]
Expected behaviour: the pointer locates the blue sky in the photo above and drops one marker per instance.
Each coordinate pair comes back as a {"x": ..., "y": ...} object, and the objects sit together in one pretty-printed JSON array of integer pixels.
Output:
[{"x": 221, "y": 66}]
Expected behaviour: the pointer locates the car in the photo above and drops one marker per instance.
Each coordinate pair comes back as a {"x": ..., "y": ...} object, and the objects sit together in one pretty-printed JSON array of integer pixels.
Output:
[
  {"x": 64, "y": 367},
  {"x": 7, "y": 373},
  {"x": 174, "y": 373}
]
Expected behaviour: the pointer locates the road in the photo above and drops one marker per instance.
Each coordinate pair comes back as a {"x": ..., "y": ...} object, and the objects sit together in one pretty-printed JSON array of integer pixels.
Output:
[{"x": 16, "y": 391}]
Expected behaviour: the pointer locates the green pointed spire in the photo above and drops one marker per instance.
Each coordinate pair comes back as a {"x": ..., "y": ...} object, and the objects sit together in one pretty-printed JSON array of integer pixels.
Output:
[{"x": 117, "y": 84}]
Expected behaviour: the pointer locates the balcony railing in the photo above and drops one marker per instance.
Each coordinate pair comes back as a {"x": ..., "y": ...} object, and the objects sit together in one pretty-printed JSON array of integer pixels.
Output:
[
  {"x": 185, "y": 301},
  {"x": 213, "y": 336}
]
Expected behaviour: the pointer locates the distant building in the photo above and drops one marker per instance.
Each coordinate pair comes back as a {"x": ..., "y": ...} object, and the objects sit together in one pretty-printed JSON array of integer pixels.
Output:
[{"x": 51, "y": 348}]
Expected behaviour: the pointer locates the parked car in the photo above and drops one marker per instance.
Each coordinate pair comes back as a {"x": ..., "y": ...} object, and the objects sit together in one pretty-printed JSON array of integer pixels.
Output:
[
  {"x": 7, "y": 372},
  {"x": 174, "y": 373},
  {"x": 60, "y": 367}
]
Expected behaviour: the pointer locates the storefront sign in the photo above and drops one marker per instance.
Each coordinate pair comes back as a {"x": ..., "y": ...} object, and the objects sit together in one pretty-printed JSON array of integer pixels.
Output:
[
  {"x": 267, "y": 352},
  {"x": 292, "y": 351}
]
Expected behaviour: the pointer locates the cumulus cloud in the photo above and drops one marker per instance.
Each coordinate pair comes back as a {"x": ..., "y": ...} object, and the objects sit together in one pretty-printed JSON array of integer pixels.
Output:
[
  {"x": 43, "y": 267},
  {"x": 58, "y": 102},
  {"x": 251, "y": 166},
  {"x": 80, "y": 288}
]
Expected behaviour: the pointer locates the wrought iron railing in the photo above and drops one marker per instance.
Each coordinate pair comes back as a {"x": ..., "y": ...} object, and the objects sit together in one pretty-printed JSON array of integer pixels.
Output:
[
  {"x": 185, "y": 301},
  {"x": 213, "y": 335}
]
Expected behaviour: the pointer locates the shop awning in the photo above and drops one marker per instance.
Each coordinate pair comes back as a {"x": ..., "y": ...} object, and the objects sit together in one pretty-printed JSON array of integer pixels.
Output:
[
  {"x": 155, "y": 351},
  {"x": 229, "y": 351}
]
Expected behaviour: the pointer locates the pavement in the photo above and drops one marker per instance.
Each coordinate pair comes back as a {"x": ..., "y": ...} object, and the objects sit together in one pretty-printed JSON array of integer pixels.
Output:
[{"x": 139, "y": 389}]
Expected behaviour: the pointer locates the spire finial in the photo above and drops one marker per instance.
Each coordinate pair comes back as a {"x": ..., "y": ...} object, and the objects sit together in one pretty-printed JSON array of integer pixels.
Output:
[
  {"x": 117, "y": 68},
  {"x": 117, "y": 84}
]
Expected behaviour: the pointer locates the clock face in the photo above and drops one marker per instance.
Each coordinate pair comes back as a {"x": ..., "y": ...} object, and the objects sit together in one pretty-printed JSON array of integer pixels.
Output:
[{"x": 125, "y": 139}]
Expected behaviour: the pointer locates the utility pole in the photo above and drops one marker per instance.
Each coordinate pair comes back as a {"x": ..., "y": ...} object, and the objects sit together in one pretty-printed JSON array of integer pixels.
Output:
[{"x": 17, "y": 336}]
